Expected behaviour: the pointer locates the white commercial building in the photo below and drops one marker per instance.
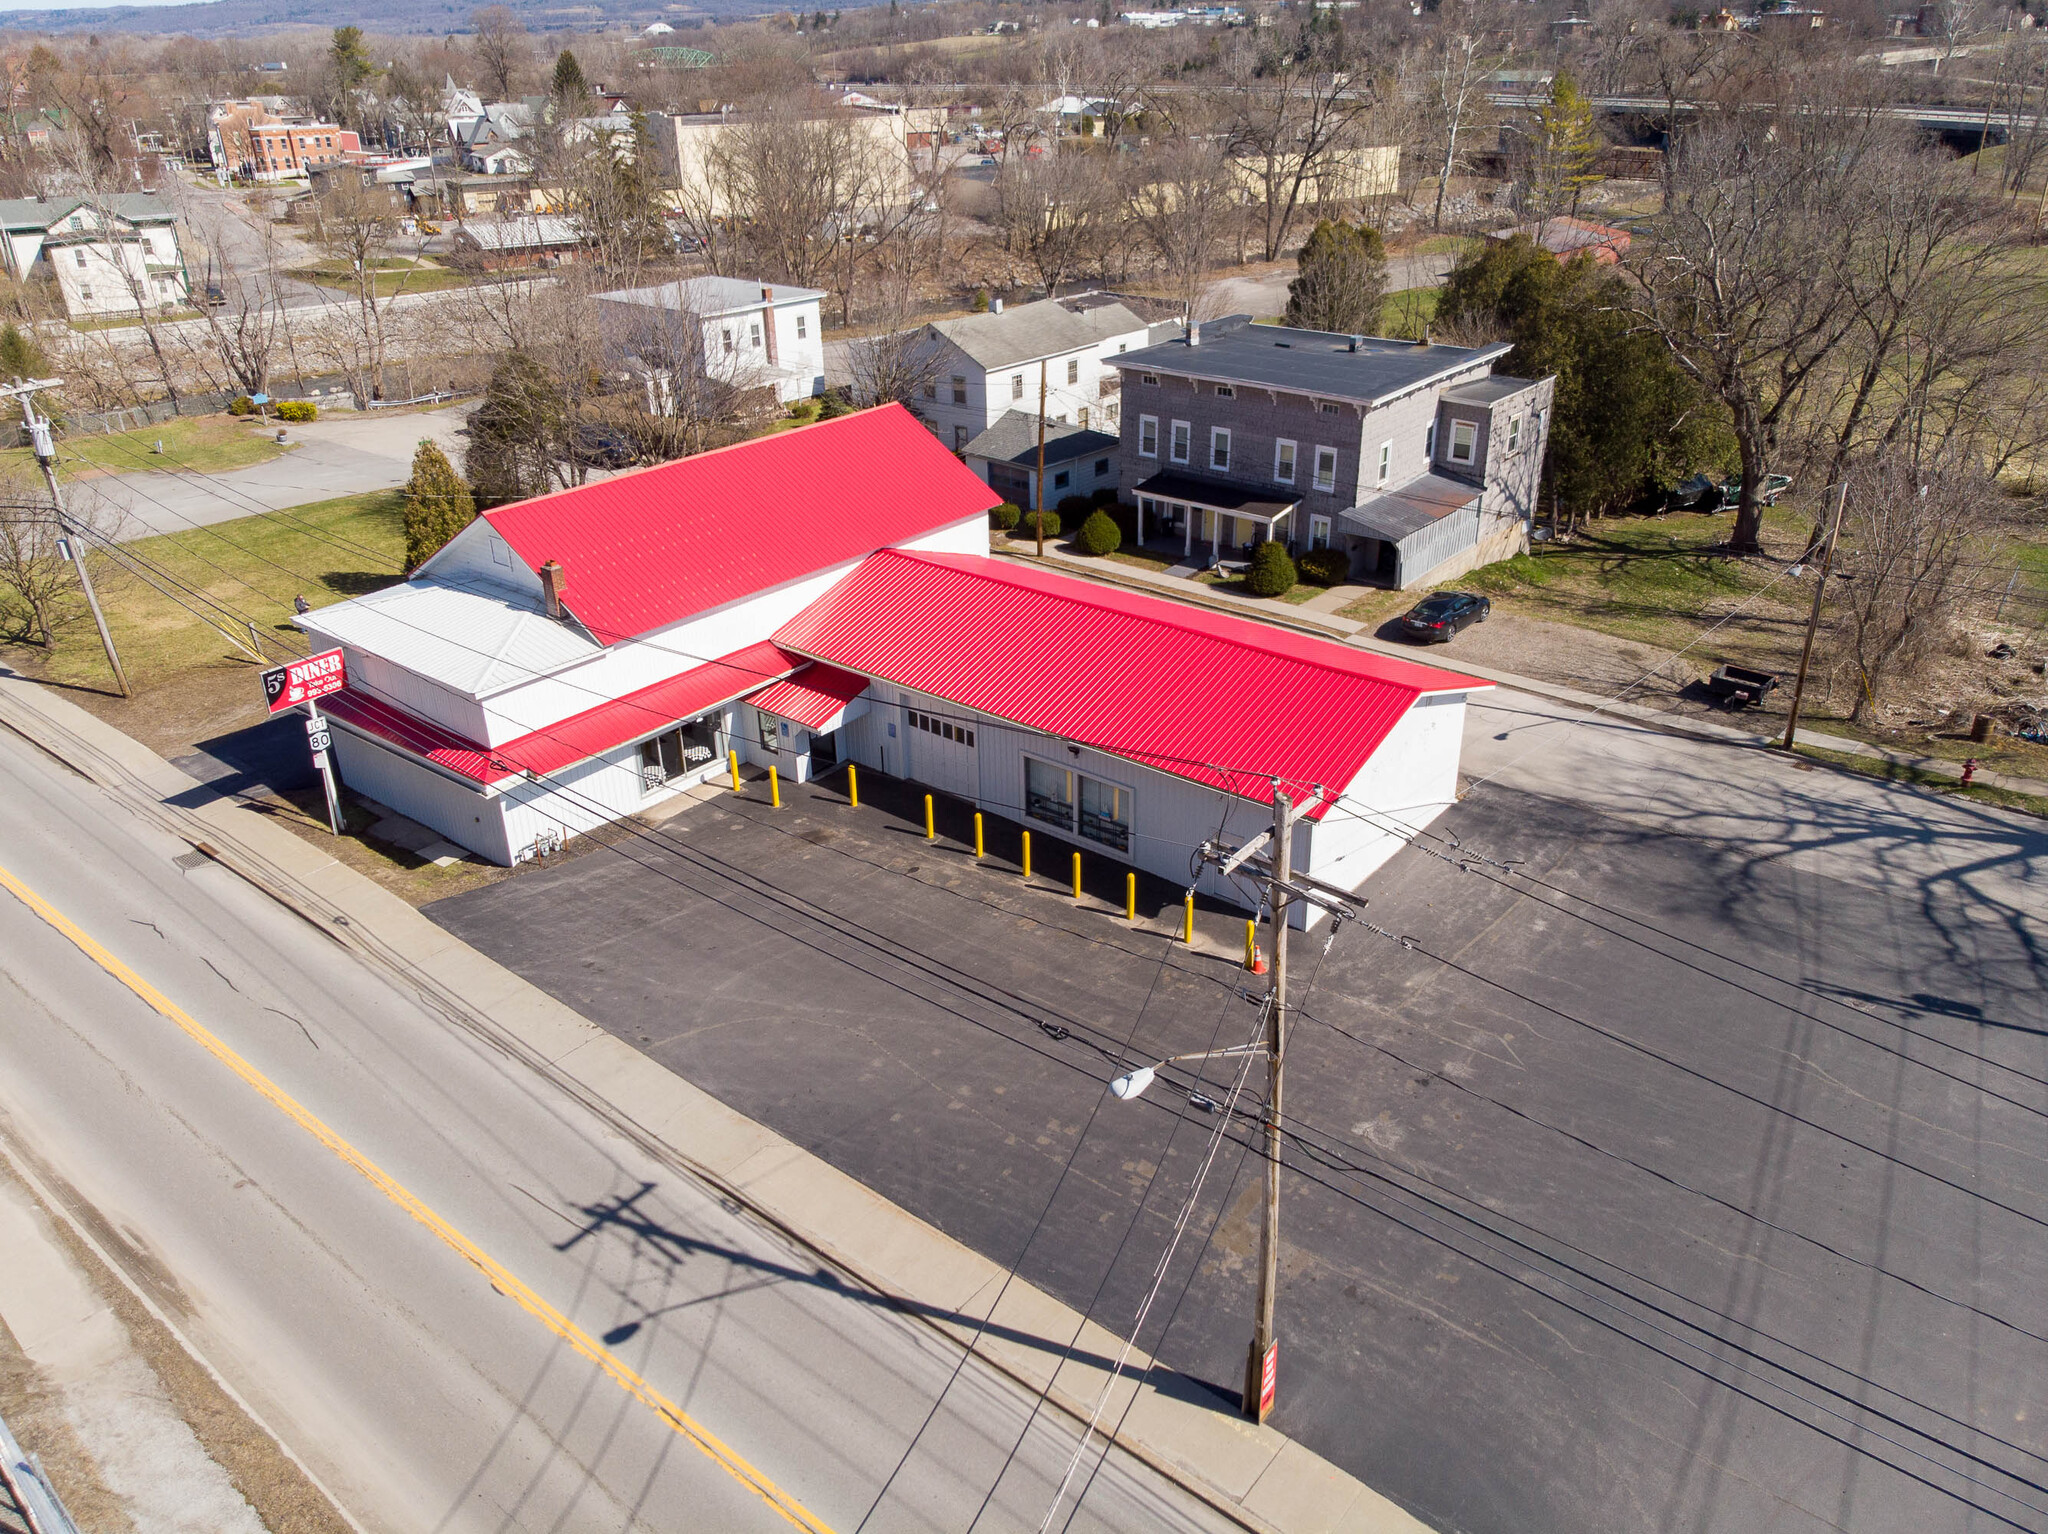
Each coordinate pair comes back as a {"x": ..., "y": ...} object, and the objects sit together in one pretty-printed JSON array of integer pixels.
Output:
[{"x": 825, "y": 596}]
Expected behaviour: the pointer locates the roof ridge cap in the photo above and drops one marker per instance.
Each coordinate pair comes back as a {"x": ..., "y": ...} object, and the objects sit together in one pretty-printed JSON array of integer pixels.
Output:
[{"x": 1182, "y": 613}]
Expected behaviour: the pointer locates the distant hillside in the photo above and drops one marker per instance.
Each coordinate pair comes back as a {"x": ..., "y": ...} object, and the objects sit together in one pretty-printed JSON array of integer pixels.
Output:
[{"x": 240, "y": 18}]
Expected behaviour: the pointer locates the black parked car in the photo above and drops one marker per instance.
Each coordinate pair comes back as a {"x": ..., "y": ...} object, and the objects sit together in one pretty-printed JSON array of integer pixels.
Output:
[
  {"x": 603, "y": 448},
  {"x": 1436, "y": 619}
]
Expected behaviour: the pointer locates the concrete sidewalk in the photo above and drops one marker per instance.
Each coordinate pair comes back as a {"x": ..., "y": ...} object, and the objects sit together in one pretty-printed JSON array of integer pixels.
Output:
[
  {"x": 1308, "y": 618},
  {"x": 1256, "y": 1476}
]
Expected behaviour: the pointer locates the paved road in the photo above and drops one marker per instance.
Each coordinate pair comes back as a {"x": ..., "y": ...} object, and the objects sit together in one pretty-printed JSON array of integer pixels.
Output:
[
  {"x": 428, "y": 1389},
  {"x": 1687, "y": 1177},
  {"x": 345, "y": 454}
]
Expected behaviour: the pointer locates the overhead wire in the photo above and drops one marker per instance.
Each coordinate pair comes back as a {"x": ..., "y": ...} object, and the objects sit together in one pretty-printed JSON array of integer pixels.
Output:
[{"x": 1483, "y": 978}]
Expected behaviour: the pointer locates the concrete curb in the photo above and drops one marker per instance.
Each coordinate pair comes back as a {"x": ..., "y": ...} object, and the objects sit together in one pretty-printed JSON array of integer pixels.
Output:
[
  {"x": 1253, "y": 1475},
  {"x": 1346, "y": 632}
]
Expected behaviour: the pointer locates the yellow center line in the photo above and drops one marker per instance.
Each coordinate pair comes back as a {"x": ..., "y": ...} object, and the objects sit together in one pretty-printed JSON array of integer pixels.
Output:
[{"x": 500, "y": 1277}]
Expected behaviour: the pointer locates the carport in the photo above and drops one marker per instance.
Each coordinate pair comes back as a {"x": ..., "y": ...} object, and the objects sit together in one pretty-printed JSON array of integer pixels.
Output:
[{"x": 1398, "y": 538}]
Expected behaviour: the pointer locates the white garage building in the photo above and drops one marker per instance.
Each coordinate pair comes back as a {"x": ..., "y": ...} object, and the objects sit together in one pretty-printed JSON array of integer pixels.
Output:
[{"x": 825, "y": 596}]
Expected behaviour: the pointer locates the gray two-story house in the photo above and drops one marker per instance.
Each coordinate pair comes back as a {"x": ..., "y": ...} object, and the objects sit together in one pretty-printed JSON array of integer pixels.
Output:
[{"x": 1416, "y": 459}]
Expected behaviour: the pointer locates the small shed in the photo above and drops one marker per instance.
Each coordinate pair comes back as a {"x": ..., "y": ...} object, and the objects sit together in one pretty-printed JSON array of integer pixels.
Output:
[{"x": 537, "y": 239}]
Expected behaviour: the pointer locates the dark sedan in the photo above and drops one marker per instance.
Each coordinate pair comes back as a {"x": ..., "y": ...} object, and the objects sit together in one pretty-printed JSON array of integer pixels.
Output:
[{"x": 1437, "y": 619}]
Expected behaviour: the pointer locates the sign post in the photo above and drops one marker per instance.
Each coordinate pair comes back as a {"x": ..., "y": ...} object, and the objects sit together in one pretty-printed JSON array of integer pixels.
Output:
[{"x": 306, "y": 682}]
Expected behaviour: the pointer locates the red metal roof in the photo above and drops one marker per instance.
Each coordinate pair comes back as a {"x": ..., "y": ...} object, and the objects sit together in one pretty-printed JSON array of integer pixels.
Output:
[
  {"x": 646, "y": 549},
  {"x": 582, "y": 735},
  {"x": 1223, "y": 701},
  {"x": 814, "y": 697}
]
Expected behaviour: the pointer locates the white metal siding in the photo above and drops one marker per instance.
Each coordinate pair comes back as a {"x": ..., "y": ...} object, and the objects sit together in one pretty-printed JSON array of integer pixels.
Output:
[
  {"x": 468, "y": 817},
  {"x": 1406, "y": 784}
]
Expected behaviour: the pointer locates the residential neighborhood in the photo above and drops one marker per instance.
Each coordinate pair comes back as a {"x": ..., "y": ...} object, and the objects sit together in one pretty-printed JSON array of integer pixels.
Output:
[{"x": 1276, "y": 767}]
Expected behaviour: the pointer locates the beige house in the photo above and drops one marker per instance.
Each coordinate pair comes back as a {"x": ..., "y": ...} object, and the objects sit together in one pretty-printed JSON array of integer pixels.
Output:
[
  {"x": 682, "y": 145},
  {"x": 1358, "y": 174}
]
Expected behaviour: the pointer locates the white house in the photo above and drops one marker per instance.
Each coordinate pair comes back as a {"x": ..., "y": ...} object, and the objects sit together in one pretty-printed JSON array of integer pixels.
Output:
[
  {"x": 748, "y": 334},
  {"x": 107, "y": 255},
  {"x": 984, "y": 365},
  {"x": 571, "y": 660}
]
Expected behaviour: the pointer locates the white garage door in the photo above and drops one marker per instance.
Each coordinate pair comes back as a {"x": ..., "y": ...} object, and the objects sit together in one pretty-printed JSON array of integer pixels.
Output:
[{"x": 942, "y": 753}]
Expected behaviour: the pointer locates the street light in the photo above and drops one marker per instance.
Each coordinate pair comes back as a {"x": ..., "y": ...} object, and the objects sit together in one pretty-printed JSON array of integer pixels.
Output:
[{"x": 1133, "y": 1083}]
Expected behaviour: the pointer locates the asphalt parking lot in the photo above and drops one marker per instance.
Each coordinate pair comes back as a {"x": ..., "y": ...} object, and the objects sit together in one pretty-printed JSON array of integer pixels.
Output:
[{"x": 1643, "y": 1184}]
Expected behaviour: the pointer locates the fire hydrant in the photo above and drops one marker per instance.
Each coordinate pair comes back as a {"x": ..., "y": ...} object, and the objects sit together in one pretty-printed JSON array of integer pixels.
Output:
[{"x": 1969, "y": 771}]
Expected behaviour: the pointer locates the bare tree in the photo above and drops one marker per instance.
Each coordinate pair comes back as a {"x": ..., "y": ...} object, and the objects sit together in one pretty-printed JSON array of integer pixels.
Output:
[
  {"x": 1296, "y": 100},
  {"x": 38, "y": 591},
  {"x": 500, "y": 45},
  {"x": 1744, "y": 275},
  {"x": 1907, "y": 535},
  {"x": 355, "y": 226},
  {"x": 245, "y": 320},
  {"x": 1454, "y": 82},
  {"x": 1185, "y": 201},
  {"x": 1059, "y": 211},
  {"x": 782, "y": 177}
]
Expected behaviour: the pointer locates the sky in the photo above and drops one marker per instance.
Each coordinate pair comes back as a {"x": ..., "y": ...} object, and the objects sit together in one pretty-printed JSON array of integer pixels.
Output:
[{"x": 83, "y": 5}]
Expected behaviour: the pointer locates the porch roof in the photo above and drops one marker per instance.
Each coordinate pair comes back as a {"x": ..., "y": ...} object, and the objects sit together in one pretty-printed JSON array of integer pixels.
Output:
[
  {"x": 1398, "y": 513},
  {"x": 1231, "y": 500}
]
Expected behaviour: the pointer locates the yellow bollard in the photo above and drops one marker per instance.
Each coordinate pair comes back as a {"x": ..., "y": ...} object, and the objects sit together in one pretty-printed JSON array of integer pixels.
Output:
[
  {"x": 1187, "y": 921},
  {"x": 1251, "y": 944},
  {"x": 977, "y": 834},
  {"x": 852, "y": 785},
  {"x": 931, "y": 833},
  {"x": 775, "y": 786},
  {"x": 1077, "y": 876},
  {"x": 1027, "y": 854},
  {"x": 733, "y": 759},
  {"x": 1130, "y": 897}
]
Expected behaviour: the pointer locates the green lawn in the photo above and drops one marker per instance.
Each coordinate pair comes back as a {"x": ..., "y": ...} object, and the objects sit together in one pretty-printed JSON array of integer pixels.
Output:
[
  {"x": 207, "y": 443},
  {"x": 391, "y": 277},
  {"x": 1639, "y": 578},
  {"x": 1406, "y": 312},
  {"x": 1898, "y": 772},
  {"x": 325, "y": 551},
  {"x": 124, "y": 321}
]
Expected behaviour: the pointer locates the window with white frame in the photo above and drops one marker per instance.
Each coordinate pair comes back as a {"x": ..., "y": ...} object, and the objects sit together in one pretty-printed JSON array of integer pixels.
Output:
[
  {"x": 1283, "y": 462},
  {"x": 1105, "y": 813},
  {"x": 80, "y": 253},
  {"x": 1081, "y": 417},
  {"x": 1183, "y": 438},
  {"x": 1224, "y": 391},
  {"x": 754, "y": 334},
  {"x": 1319, "y": 532},
  {"x": 1149, "y": 378},
  {"x": 1148, "y": 436},
  {"x": 802, "y": 326},
  {"x": 1073, "y": 370},
  {"x": 725, "y": 338},
  {"x": 1016, "y": 386},
  {"x": 931, "y": 391},
  {"x": 1049, "y": 793},
  {"x": 1515, "y": 433},
  {"x": 1326, "y": 468},
  {"x": 959, "y": 390},
  {"x": 1386, "y": 461},
  {"x": 1429, "y": 442},
  {"x": 1219, "y": 448},
  {"x": 1327, "y": 407},
  {"x": 1463, "y": 435}
]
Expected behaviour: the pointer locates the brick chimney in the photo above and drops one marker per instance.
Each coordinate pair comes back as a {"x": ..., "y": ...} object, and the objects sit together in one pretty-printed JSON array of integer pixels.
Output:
[{"x": 553, "y": 584}]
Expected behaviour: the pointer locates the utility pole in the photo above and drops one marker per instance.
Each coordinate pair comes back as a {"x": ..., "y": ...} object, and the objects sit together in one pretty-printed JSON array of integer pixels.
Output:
[
  {"x": 1820, "y": 587},
  {"x": 1262, "y": 1364},
  {"x": 46, "y": 456},
  {"x": 1041, "y": 458},
  {"x": 1284, "y": 890}
]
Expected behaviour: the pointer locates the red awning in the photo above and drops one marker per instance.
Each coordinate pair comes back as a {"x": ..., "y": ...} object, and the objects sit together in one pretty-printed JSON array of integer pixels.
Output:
[
  {"x": 590, "y": 733},
  {"x": 815, "y": 697}
]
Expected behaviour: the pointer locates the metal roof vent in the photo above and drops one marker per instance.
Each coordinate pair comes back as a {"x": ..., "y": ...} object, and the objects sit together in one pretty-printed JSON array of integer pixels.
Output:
[
  {"x": 995, "y": 306},
  {"x": 1354, "y": 342}
]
